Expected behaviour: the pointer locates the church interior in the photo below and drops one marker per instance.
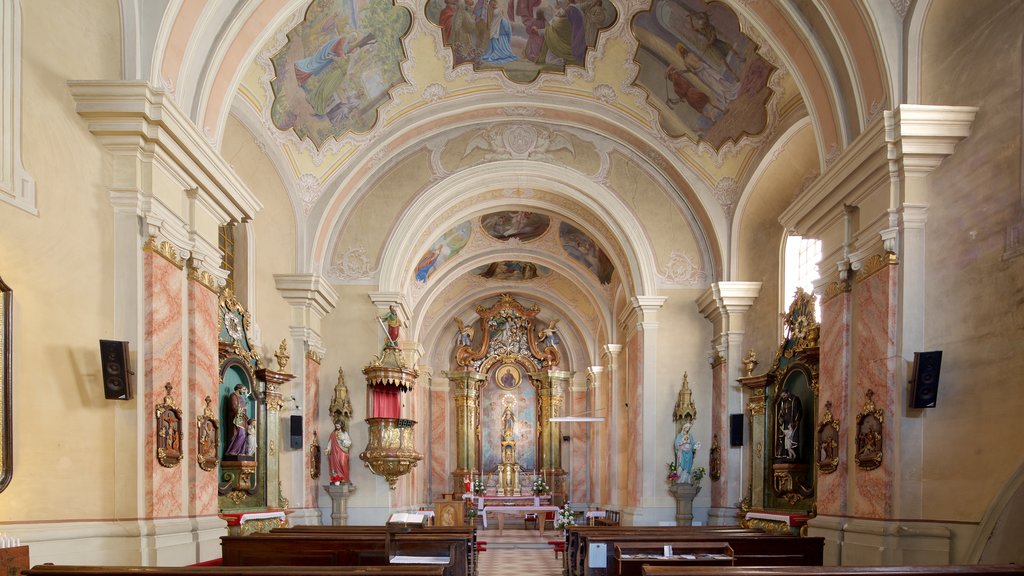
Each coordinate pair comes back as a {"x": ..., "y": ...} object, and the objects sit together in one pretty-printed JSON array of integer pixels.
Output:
[{"x": 752, "y": 263}]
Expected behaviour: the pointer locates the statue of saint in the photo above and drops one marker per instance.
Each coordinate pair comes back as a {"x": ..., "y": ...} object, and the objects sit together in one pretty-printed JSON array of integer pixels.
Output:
[
  {"x": 685, "y": 449},
  {"x": 337, "y": 453},
  {"x": 788, "y": 412}
]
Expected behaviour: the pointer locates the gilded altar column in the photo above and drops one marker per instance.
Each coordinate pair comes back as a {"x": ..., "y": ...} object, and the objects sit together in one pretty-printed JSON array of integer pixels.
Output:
[
  {"x": 551, "y": 387},
  {"x": 465, "y": 388}
]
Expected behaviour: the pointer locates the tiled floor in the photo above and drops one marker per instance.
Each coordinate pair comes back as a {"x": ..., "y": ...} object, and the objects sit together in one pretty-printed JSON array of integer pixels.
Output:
[{"x": 519, "y": 552}]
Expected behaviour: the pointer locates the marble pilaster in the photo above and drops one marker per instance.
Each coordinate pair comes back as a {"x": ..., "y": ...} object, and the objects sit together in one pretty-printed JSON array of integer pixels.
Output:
[
  {"x": 834, "y": 343},
  {"x": 203, "y": 377}
]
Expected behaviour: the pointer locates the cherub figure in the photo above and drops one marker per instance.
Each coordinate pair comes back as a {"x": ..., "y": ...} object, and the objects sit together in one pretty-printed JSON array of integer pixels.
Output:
[
  {"x": 548, "y": 335},
  {"x": 466, "y": 331}
]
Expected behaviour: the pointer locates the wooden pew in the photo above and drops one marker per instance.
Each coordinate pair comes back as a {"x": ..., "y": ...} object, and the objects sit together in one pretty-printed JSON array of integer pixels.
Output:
[
  {"x": 632, "y": 558},
  {"x": 750, "y": 549},
  {"x": 575, "y": 552},
  {"x": 403, "y": 570},
  {"x": 345, "y": 549},
  {"x": 942, "y": 570}
]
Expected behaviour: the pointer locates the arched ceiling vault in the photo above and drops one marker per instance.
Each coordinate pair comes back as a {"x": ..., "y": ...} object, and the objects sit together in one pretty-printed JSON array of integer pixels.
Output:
[{"x": 213, "y": 57}]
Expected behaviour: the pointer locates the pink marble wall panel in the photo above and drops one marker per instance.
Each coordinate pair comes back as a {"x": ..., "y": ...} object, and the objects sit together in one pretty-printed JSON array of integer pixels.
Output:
[
  {"x": 834, "y": 384},
  {"x": 634, "y": 438},
  {"x": 719, "y": 419},
  {"x": 203, "y": 327},
  {"x": 311, "y": 392},
  {"x": 874, "y": 350},
  {"x": 579, "y": 491},
  {"x": 163, "y": 353},
  {"x": 439, "y": 446}
]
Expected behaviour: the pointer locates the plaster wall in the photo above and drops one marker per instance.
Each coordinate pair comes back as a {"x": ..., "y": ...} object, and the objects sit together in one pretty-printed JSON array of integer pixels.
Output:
[
  {"x": 974, "y": 304},
  {"x": 60, "y": 266}
]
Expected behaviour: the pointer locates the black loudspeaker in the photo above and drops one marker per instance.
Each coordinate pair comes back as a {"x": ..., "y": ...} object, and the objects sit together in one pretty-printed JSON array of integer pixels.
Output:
[
  {"x": 295, "y": 432},
  {"x": 735, "y": 430},
  {"x": 116, "y": 370},
  {"x": 926, "y": 379}
]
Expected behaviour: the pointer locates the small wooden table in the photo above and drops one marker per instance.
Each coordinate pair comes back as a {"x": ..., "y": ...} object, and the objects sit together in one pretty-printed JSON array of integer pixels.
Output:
[{"x": 500, "y": 511}]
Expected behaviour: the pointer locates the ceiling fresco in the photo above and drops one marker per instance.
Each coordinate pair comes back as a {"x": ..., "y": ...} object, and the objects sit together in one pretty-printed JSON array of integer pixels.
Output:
[
  {"x": 582, "y": 248},
  {"x": 337, "y": 66},
  {"x": 705, "y": 76},
  {"x": 521, "y": 37},
  {"x": 512, "y": 270},
  {"x": 518, "y": 224},
  {"x": 447, "y": 246}
]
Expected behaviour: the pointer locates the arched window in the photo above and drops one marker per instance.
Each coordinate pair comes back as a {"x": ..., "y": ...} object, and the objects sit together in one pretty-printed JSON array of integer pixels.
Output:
[{"x": 800, "y": 269}]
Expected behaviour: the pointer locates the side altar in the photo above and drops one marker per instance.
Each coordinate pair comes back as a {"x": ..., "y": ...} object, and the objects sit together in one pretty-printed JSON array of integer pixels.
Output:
[{"x": 782, "y": 412}]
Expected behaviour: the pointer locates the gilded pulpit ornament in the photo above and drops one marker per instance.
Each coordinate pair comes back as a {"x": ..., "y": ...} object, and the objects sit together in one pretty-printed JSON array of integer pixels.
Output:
[
  {"x": 828, "y": 442},
  {"x": 749, "y": 363},
  {"x": 282, "y": 356},
  {"x": 715, "y": 459},
  {"x": 869, "y": 434},
  {"x": 168, "y": 431},
  {"x": 685, "y": 410},
  {"x": 208, "y": 447},
  {"x": 314, "y": 457}
]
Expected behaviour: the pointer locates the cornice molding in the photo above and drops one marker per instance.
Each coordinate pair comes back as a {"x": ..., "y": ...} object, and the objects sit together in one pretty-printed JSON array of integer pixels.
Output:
[
  {"x": 125, "y": 114},
  {"x": 307, "y": 291}
]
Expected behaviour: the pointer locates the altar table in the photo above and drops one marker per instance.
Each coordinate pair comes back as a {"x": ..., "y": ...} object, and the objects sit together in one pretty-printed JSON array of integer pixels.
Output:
[
  {"x": 500, "y": 512},
  {"x": 482, "y": 501}
]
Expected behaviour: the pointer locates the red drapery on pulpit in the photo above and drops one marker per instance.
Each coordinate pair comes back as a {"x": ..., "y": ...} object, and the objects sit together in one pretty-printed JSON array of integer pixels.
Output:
[{"x": 386, "y": 403}]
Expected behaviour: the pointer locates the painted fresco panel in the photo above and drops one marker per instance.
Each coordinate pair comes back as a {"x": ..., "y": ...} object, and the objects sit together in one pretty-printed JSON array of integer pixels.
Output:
[
  {"x": 520, "y": 37},
  {"x": 447, "y": 246},
  {"x": 704, "y": 75},
  {"x": 582, "y": 248},
  {"x": 523, "y": 226},
  {"x": 514, "y": 270},
  {"x": 337, "y": 67}
]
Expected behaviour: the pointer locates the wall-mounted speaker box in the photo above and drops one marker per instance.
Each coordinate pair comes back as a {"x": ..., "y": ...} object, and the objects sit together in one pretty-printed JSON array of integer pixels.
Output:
[
  {"x": 926, "y": 379},
  {"x": 115, "y": 364},
  {"x": 295, "y": 431},
  {"x": 735, "y": 430}
]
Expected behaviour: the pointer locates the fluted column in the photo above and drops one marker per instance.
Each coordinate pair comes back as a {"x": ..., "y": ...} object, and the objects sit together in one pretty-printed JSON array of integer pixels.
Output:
[{"x": 465, "y": 388}]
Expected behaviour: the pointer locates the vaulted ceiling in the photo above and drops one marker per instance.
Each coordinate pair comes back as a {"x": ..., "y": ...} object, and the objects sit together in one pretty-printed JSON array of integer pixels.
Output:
[{"x": 422, "y": 144}]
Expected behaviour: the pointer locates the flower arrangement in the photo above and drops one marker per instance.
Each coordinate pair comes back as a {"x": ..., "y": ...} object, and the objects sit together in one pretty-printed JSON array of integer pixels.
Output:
[
  {"x": 540, "y": 486},
  {"x": 478, "y": 486},
  {"x": 697, "y": 474},
  {"x": 565, "y": 517},
  {"x": 673, "y": 472}
]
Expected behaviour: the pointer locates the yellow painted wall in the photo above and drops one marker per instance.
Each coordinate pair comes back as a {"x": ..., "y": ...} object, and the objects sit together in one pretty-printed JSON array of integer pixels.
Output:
[
  {"x": 59, "y": 265},
  {"x": 974, "y": 303}
]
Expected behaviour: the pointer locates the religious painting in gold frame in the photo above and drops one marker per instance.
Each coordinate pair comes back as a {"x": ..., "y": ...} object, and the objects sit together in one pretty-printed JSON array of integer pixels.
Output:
[
  {"x": 869, "y": 434},
  {"x": 208, "y": 448},
  {"x": 508, "y": 376},
  {"x": 168, "y": 431},
  {"x": 827, "y": 454},
  {"x": 6, "y": 428}
]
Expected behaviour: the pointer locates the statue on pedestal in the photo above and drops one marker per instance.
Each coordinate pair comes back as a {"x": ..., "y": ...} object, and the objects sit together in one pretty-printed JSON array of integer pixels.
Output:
[{"x": 508, "y": 470}]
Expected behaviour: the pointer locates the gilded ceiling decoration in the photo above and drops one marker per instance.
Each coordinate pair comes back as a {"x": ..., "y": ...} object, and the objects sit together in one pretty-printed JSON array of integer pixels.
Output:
[
  {"x": 705, "y": 76},
  {"x": 520, "y": 37},
  {"x": 337, "y": 66}
]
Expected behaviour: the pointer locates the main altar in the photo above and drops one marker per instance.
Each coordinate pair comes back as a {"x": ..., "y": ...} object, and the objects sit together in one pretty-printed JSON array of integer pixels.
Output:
[{"x": 507, "y": 385}]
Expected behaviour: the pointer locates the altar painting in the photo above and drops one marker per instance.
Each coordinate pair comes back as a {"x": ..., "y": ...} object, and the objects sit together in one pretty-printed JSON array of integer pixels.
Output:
[
  {"x": 704, "y": 75},
  {"x": 525, "y": 410},
  {"x": 448, "y": 245},
  {"x": 521, "y": 37},
  {"x": 337, "y": 66}
]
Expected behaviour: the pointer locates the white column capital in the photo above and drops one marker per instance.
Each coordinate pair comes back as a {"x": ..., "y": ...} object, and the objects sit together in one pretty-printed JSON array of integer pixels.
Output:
[{"x": 723, "y": 300}]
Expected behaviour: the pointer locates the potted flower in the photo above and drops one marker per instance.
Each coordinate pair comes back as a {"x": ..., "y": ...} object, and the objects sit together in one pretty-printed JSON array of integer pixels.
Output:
[
  {"x": 565, "y": 517},
  {"x": 539, "y": 486},
  {"x": 697, "y": 475},
  {"x": 673, "y": 473},
  {"x": 478, "y": 486}
]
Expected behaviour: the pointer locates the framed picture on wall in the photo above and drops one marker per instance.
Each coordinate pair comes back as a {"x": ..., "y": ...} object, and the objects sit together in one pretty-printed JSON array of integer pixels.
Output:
[{"x": 6, "y": 428}]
